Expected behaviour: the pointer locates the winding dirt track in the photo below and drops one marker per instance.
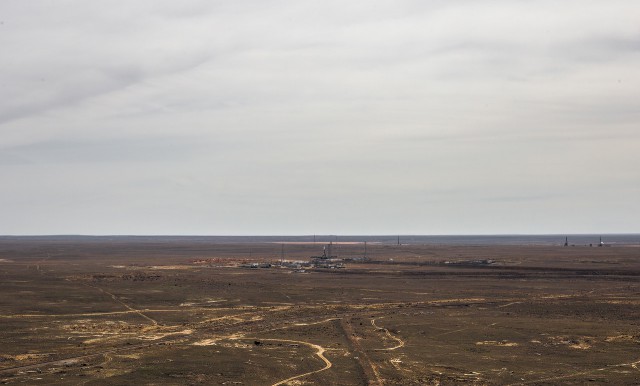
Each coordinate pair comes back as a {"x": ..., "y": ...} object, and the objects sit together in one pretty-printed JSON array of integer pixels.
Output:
[
  {"x": 400, "y": 341},
  {"x": 370, "y": 370},
  {"x": 319, "y": 352}
]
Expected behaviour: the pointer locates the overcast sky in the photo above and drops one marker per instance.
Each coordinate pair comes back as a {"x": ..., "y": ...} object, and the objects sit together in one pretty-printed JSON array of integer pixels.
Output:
[{"x": 334, "y": 117}]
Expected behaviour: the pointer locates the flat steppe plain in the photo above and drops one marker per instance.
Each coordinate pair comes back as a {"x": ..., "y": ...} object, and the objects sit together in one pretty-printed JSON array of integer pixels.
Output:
[{"x": 175, "y": 312}]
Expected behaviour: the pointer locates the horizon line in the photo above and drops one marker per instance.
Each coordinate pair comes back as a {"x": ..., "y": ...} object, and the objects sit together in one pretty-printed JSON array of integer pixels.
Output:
[{"x": 322, "y": 235}]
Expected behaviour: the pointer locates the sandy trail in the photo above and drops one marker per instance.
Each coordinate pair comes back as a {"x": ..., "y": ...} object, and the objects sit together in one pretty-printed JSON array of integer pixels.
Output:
[
  {"x": 508, "y": 304},
  {"x": 369, "y": 369},
  {"x": 588, "y": 372},
  {"x": 319, "y": 352},
  {"x": 400, "y": 341},
  {"x": 114, "y": 297},
  {"x": 132, "y": 311},
  {"x": 78, "y": 357},
  {"x": 450, "y": 332},
  {"x": 311, "y": 323},
  {"x": 172, "y": 339},
  {"x": 136, "y": 311}
]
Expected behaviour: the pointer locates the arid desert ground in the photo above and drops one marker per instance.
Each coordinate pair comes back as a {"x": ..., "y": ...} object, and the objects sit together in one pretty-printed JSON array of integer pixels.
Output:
[{"x": 175, "y": 312}]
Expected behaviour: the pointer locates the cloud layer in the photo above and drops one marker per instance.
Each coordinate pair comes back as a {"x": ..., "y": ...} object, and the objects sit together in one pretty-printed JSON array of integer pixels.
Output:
[{"x": 283, "y": 117}]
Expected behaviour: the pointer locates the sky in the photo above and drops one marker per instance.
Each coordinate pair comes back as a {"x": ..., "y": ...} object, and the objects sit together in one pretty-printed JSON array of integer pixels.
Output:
[{"x": 300, "y": 117}]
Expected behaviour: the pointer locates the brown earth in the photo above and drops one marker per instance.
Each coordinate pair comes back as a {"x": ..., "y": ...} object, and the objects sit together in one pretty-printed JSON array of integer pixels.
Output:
[{"x": 175, "y": 313}]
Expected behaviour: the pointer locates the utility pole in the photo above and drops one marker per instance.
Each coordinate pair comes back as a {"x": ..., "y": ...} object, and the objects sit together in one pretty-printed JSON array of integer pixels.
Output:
[
  {"x": 281, "y": 254},
  {"x": 398, "y": 240},
  {"x": 365, "y": 250}
]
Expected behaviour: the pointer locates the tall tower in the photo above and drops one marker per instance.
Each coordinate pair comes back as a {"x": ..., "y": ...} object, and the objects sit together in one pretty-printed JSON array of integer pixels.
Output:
[{"x": 566, "y": 241}]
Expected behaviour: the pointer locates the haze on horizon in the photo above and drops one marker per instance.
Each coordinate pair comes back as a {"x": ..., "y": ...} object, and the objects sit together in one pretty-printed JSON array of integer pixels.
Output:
[{"x": 319, "y": 117}]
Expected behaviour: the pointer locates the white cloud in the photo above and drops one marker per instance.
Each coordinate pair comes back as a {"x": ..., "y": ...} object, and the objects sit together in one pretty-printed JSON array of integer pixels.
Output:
[{"x": 317, "y": 116}]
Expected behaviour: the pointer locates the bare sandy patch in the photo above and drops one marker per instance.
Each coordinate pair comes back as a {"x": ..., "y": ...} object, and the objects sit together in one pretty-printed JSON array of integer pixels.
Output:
[
  {"x": 626, "y": 301},
  {"x": 26, "y": 357},
  {"x": 129, "y": 356},
  {"x": 501, "y": 343},
  {"x": 109, "y": 327},
  {"x": 580, "y": 343},
  {"x": 170, "y": 267},
  {"x": 205, "y": 342},
  {"x": 461, "y": 300},
  {"x": 165, "y": 334},
  {"x": 622, "y": 338}
]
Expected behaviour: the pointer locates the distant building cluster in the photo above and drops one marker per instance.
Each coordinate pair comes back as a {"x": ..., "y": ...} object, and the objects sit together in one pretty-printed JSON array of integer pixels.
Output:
[
  {"x": 327, "y": 260},
  {"x": 600, "y": 243}
]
